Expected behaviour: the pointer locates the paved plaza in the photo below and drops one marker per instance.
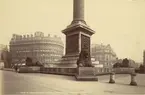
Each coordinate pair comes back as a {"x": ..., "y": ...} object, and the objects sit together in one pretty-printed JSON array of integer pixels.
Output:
[{"x": 13, "y": 83}]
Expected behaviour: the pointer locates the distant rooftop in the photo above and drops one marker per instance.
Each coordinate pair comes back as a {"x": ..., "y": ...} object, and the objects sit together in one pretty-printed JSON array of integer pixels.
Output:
[
  {"x": 101, "y": 46},
  {"x": 38, "y": 34}
]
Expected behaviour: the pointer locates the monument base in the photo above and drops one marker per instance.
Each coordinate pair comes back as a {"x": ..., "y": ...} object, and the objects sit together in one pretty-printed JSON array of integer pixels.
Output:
[
  {"x": 29, "y": 69},
  {"x": 86, "y": 74},
  {"x": 68, "y": 61}
]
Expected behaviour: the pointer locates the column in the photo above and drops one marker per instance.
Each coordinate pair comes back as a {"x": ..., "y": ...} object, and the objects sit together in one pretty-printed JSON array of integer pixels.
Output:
[{"x": 78, "y": 10}]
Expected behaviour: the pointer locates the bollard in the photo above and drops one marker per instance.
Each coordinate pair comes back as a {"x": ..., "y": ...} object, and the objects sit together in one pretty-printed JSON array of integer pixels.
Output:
[
  {"x": 112, "y": 77},
  {"x": 133, "y": 82}
]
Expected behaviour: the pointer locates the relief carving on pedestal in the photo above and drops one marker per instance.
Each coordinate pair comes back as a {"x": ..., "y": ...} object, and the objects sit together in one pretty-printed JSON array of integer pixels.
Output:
[
  {"x": 84, "y": 56},
  {"x": 85, "y": 42}
]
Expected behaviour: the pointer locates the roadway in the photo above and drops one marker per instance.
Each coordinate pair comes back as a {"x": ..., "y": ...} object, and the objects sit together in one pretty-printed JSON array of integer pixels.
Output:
[{"x": 13, "y": 83}]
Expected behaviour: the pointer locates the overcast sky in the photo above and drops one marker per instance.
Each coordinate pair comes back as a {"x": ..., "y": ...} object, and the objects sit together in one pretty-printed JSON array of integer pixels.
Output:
[{"x": 120, "y": 23}]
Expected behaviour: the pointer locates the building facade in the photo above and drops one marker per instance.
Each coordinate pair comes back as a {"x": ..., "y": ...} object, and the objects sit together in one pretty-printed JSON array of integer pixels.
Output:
[
  {"x": 2, "y": 49},
  {"x": 1, "y": 59},
  {"x": 4, "y": 56},
  {"x": 45, "y": 49},
  {"x": 144, "y": 57},
  {"x": 104, "y": 54}
]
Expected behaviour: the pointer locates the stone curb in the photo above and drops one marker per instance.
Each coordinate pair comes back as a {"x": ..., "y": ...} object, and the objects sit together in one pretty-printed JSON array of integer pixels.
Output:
[{"x": 7, "y": 69}]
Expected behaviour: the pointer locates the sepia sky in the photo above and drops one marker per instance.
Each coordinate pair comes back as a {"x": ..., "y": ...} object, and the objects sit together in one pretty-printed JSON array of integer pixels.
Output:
[{"x": 120, "y": 23}]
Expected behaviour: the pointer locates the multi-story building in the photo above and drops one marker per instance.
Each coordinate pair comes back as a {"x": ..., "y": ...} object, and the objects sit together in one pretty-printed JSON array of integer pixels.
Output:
[
  {"x": 4, "y": 56},
  {"x": 2, "y": 49},
  {"x": 45, "y": 49},
  {"x": 144, "y": 57},
  {"x": 104, "y": 54}
]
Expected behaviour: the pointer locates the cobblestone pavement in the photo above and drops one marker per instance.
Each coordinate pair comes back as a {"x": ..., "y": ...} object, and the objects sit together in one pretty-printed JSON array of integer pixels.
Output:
[{"x": 13, "y": 83}]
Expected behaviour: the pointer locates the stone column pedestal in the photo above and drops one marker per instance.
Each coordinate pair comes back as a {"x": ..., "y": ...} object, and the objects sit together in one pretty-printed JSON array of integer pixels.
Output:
[
  {"x": 133, "y": 82},
  {"x": 112, "y": 78}
]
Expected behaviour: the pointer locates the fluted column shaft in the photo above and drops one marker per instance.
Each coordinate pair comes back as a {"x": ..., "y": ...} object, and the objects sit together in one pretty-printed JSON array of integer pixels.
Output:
[{"x": 78, "y": 10}]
